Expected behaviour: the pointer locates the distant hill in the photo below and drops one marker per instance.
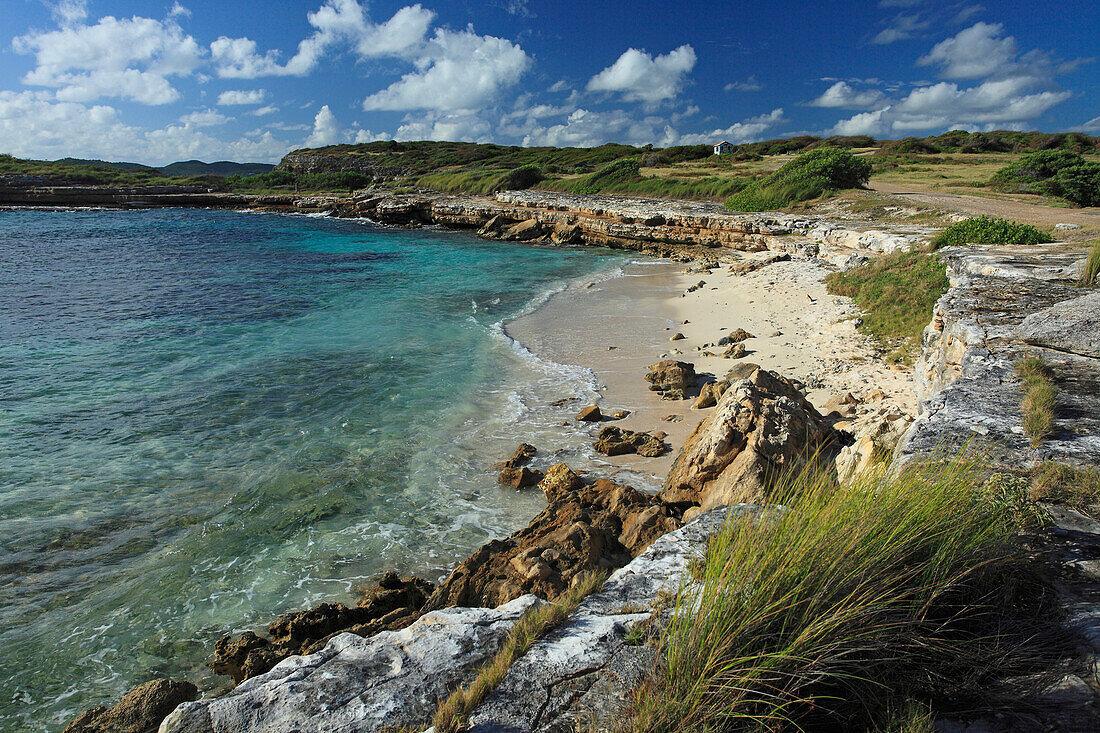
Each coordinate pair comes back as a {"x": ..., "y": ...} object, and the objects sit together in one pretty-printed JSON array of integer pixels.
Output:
[
  {"x": 105, "y": 164},
  {"x": 221, "y": 168}
]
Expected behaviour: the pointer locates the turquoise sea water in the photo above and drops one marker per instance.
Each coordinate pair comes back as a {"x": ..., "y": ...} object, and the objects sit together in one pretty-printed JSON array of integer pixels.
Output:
[{"x": 208, "y": 418}]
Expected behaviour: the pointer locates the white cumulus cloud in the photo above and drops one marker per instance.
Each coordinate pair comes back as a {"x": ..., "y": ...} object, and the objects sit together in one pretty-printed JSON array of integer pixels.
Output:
[
  {"x": 841, "y": 94},
  {"x": 128, "y": 58},
  {"x": 973, "y": 53},
  {"x": 639, "y": 77},
  {"x": 204, "y": 118},
  {"x": 456, "y": 70},
  {"x": 739, "y": 132},
  {"x": 241, "y": 96}
]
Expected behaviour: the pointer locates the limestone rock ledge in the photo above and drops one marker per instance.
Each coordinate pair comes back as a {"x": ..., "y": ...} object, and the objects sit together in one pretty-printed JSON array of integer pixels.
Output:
[
  {"x": 394, "y": 678},
  {"x": 1006, "y": 303},
  {"x": 580, "y": 675}
]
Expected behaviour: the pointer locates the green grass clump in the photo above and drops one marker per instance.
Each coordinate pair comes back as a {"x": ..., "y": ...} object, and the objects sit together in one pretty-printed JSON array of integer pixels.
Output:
[
  {"x": 1091, "y": 274},
  {"x": 896, "y": 294},
  {"x": 451, "y": 714},
  {"x": 810, "y": 175},
  {"x": 1040, "y": 396},
  {"x": 989, "y": 230},
  {"x": 834, "y": 612}
]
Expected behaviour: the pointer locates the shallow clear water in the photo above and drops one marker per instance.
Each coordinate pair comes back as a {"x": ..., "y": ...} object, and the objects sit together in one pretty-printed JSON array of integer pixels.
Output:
[{"x": 208, "y": 418}]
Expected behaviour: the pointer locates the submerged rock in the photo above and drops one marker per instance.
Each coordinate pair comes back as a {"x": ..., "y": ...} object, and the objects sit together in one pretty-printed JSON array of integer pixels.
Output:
[
  {"x": 139, "y": 711},
  {"x": 524, "y": 453},
  {"x": 391, "y": 604},
  {"x": 519, "y": 478}
]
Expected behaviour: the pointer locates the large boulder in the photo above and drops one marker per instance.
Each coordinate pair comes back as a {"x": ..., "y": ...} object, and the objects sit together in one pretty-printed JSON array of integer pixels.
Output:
[
  {"x": 393, "y": 680},
  {"x": 391, "y": 604},
  {"x": 585, "y": 527},
  {"x": 139, "y": 711},
  {"x": 761, "y": 426}
]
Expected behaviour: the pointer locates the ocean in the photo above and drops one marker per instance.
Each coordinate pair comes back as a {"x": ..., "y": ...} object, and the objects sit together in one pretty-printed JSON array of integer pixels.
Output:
[{"x": 208, "y": 418}]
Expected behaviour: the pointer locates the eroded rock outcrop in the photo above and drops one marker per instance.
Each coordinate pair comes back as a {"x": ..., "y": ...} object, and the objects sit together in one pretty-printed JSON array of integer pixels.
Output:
[
  {"x": 1004, "y": 304},
  {"x": 617, "y": 442},
  {"x": 761, "y": 425},
  {"x": 672, "y": 379},
  {"x": 139, "y": 711},
  {"x": 597, "y": 526}
]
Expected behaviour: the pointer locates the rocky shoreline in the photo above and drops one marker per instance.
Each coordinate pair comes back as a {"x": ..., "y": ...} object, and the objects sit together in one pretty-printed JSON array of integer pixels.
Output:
[{"x": 334, "y": 666}]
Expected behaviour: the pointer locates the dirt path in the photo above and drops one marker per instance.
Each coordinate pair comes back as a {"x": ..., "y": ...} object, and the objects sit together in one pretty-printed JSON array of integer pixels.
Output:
[{"x": 1038, "y": 214}]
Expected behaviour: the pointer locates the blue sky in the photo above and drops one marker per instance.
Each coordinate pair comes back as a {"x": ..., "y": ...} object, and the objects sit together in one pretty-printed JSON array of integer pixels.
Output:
[{"x": 155, "y": 82}]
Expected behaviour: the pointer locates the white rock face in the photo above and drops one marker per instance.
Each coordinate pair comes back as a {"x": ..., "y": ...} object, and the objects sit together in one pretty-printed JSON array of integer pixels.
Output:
[
  {"x": 394, "y": 678},
  {"x": 584, "y": 668}
]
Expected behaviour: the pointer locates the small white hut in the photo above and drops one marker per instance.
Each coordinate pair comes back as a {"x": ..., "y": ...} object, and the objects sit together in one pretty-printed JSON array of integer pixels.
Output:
[{"x": 723, "y": 148}]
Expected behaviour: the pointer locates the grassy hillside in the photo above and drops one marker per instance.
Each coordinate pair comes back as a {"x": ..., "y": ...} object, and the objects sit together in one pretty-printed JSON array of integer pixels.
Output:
[{"x": 957, "y": 162}]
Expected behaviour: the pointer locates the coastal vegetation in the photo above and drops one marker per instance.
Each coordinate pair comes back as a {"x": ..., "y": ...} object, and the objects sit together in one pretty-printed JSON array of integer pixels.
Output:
[
  {"x": 857, "y": 606},
  {"x": 808, "y": 176},
  {"x": 989, "y": 230},
  {"x": 896, "y": 292},
  {"x": 1040, "y": 396}
]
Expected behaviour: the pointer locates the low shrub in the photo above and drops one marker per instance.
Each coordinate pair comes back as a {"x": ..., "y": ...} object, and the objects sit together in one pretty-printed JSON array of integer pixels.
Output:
[
  {"x": 1078, "y": 184},
  {"x": 810, "y": 175},
  {"x": 622, "y": 171},
  {"x": 896, "y": 294},
  {"x": 989, "y": 230},
  {"x": 833, "y": 612}
]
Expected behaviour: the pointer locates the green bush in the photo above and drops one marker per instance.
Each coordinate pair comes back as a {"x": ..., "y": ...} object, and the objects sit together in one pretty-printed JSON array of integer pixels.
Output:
[
  {"x": 808, "y": 176},
  {"x": 1091, "y": 273},
  {"x": 1078, "y": 184},
  {"x": 617, "y": 172},
  {"x": 1031, "y": 173},
  {"x": 520, "y": 178},
  {"x": 989, "y": 230},
  {"x": 1055, "y": 172}
]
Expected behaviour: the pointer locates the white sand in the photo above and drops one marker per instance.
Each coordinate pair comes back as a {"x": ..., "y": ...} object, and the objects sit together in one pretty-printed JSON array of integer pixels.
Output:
[{"x": 638, "y": 314}]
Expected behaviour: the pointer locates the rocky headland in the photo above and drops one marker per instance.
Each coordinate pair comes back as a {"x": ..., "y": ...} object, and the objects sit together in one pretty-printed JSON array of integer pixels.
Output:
[{"x": 387, "y": 662}]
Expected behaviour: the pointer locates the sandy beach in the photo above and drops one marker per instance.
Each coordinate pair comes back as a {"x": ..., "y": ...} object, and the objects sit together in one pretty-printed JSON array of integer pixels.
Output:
[{"x": 619, "y": 327}]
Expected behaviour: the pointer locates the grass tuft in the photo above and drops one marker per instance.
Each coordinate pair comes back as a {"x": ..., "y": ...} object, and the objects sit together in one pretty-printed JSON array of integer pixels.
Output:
[
  {"x": 896, "y": 293},
  {"x": 1091, "y": 274},
  {"x": 1040, "y": 396},
  {"x": 451, "y": 714},
  {"x": 841, "y": 609}
]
